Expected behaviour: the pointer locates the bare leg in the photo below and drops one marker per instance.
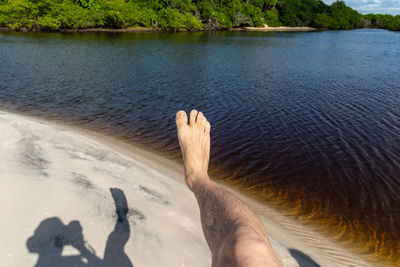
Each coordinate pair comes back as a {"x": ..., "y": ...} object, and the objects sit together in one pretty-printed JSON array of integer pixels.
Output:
[{"x": 233, "y": 232}]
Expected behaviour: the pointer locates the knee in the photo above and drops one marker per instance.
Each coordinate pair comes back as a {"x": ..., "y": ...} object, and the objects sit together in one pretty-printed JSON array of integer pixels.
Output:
[
  {"x": 242, "y": 250},
  {"x": 247, "y": 248}
]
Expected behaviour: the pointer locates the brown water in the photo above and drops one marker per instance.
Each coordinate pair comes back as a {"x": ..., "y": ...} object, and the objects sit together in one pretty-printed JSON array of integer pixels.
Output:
[{"x": 308, "y": 122}]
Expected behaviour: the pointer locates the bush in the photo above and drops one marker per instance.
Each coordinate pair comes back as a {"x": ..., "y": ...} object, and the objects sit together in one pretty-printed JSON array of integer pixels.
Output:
[
  {"x": 323, "y": 21},
  {"x": 272, "y": 18},
  {"x": 394, "y": 24},
  {"x": 171, "y": 19},
  {"x": 242, "y": 20},
  {"x": 192, "y": 22},
  {"x": 255, "y": 14},
  {"x": 74, "y": 17}
]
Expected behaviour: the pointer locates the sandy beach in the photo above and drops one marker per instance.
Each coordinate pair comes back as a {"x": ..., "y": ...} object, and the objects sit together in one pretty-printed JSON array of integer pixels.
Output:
[
  {"x": 267, "y": 28},
  {"x": 61, "y": 187}
]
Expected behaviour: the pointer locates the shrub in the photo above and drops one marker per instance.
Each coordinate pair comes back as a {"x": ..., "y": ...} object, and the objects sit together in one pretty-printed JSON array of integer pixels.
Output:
[{"x": 272, "y": 18}]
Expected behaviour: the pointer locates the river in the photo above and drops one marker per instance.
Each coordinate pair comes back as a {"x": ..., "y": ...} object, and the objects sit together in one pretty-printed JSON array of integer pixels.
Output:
[{"x": 307, "y": 122}]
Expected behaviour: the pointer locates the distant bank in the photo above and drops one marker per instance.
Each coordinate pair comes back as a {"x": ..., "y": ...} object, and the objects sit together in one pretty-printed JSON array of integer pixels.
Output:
[
  {"x": 145, "y": 29},
  {"x": 180, "y": 15}
]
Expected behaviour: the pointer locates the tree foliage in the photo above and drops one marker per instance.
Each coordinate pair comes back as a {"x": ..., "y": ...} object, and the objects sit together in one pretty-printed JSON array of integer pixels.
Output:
[
  {"x": 176, "y": 15},
  {"x": 382, "y": 21}
]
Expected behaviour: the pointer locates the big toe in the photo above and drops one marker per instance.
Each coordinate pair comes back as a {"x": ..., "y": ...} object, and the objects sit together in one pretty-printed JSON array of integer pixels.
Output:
[{"x": 181, "y": 118}]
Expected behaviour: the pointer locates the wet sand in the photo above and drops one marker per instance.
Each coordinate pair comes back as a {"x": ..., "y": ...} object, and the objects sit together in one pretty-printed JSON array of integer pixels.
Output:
[{"x": 56, "y": 183}]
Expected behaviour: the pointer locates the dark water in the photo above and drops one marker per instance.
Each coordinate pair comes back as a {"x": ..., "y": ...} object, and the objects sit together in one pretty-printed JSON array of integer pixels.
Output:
[{"x": 309, "y": 122}]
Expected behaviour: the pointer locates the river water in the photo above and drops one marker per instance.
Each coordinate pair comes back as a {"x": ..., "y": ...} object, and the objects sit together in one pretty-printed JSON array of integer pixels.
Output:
[{"x": 308, "y": 122}]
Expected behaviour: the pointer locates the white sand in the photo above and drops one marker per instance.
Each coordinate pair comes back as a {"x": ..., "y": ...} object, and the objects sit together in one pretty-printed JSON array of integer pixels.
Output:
[
  {"x": 51, "y": 171},
  {"x": 267, "y": 28}
]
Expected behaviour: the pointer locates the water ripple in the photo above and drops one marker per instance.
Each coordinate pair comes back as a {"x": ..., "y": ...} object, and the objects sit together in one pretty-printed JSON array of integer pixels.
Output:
[{"x": 309, "y": 122}]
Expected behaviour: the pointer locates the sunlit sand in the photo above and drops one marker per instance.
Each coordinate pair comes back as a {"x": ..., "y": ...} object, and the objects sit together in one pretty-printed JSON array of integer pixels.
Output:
[{"x": 61, "y": 188}]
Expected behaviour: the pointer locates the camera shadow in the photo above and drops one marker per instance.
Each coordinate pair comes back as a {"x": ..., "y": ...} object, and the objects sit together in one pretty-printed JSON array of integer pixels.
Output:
[{"x": 51, "y": 236}]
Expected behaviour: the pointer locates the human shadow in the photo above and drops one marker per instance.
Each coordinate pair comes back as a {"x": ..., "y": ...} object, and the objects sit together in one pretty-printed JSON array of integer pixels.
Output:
[
  {"x": 51, "y": 236},
  {"x": 114, "y": 254},
  {"x": 303, "y": 259}
]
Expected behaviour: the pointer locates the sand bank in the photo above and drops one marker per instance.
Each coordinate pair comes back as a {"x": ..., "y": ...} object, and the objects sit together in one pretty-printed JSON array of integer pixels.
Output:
[
  {"x": 55, "y": 193},
  {"x": 267, "y": 28}
]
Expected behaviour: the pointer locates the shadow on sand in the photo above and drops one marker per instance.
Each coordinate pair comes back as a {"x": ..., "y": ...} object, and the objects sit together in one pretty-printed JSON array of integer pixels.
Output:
[
  {"x": 303, "y": 259},
  {"x": 51, "y": 236}
]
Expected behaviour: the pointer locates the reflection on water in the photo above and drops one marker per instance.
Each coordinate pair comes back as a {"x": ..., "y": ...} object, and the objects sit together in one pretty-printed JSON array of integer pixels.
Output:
[{"x": 309, "y": 122}]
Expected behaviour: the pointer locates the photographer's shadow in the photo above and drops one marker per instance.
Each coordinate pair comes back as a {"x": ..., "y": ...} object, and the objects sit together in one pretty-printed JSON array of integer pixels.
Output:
[{"x": 52, "y": 236}]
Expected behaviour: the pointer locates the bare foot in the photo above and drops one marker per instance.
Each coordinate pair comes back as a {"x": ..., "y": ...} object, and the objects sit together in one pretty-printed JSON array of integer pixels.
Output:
[{"x": 194, "y": 139}]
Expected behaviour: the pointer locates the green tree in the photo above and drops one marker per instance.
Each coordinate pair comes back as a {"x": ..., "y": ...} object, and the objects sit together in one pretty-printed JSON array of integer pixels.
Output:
[
  {"x": 272, "y": 18},
  {"x": 323, "y": 21},
  {"x": 176, "y": 15}
]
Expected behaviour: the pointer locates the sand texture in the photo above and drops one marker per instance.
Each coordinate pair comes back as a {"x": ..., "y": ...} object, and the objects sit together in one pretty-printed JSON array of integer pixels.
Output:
[{"x": 61, "y": 190}]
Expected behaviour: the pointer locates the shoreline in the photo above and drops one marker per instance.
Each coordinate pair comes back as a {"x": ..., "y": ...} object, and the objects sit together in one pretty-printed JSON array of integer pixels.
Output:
[
  {"x": 144, "y": 29},
  {"x": 276, "y": 29},
  {"x": 292, "y": 240}
]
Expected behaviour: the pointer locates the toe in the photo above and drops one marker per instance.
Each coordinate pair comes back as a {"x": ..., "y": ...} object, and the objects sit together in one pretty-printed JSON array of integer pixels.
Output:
[
  {"x": 203, "y": 122},
  {"x": 200, "y": 118},
  {"x": 193, "y": 115},
  {"x": 208, "y": 128},
  {"x": 181, "y": 118}
]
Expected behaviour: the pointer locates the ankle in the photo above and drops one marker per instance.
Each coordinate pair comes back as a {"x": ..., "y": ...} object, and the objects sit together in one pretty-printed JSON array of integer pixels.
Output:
[{"x": 193, "y": 179}]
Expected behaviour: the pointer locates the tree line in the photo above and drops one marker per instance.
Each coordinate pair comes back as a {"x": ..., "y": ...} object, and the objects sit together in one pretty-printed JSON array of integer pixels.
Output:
[{"x": 178, "y": 15}]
